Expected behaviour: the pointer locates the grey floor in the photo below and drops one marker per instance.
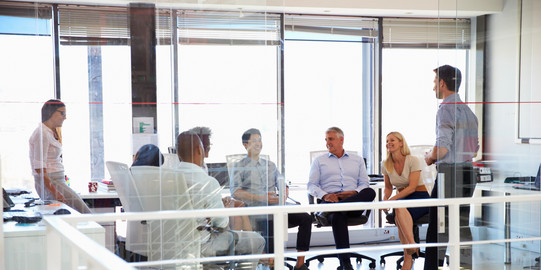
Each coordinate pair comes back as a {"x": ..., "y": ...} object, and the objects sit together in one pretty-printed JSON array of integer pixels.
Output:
[{"x": 489, "y": 257}]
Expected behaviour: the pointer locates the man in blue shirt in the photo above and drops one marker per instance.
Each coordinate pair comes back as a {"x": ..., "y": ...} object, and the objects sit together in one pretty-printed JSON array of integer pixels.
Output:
[
  {"x": 339, "y": 177},
  {"x": 456, "y": 144},
  {"x": 255, "y": 181}
]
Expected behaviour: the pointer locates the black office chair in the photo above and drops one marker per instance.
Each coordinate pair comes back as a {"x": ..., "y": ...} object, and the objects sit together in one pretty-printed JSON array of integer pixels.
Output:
[
  {"x": 352, "y": 221},
  {"x": 416, "y": 224}
]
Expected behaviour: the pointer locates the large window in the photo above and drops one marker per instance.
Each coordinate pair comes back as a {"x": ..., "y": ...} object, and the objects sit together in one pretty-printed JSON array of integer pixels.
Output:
[{"x": 323, "y": 82}]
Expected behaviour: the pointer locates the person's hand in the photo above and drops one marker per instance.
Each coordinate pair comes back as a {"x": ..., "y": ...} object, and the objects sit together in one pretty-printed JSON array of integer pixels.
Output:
[
  {"x": 346, "y": 194},
  {"x": 428, "y": 158},
  {"x": 227, "y": 201},
  {"x": 272, "y": 198},
  {"x": 330, "y": 197}
]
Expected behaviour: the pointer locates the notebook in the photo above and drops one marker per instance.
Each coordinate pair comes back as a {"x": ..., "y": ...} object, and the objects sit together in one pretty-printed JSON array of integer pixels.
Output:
[{"x": 532, "y": 185}]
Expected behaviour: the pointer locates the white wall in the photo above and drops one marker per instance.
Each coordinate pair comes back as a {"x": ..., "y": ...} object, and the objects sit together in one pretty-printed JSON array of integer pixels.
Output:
[{"x": 501, "y": 82}]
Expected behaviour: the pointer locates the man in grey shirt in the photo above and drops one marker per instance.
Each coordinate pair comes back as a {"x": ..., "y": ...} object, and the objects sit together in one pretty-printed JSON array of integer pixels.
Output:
[
  {"x": 255, "y": 180},
  {"x": 456, "y": 144}
]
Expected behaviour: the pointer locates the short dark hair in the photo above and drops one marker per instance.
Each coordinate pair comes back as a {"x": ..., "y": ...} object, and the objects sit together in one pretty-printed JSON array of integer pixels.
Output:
[
  {"x": 248, "y": 133},
  {"x": 148, "y": 155},
  {"x": 187, "y": 141},
  {"x": 450, "y": 75},
  {"x": 49, "y": 108}
]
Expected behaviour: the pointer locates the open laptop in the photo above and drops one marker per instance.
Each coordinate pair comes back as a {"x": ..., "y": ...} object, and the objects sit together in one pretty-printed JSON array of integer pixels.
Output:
[
  {"x": 8, "y": 203},
  {"x": 532, "y": 185}
]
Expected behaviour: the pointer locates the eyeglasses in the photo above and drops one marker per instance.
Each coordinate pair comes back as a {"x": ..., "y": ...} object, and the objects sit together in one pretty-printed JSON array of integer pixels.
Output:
[{"x": 63, "y": 113}]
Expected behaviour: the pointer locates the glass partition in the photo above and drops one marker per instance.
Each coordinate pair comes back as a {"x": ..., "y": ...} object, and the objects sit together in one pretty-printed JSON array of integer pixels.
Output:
[{"x": 290, "y": 76}]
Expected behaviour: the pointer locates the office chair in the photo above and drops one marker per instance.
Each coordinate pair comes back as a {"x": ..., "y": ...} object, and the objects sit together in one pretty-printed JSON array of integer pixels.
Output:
[
  {"x": 162, "y": 189},
  {"x": 390, "y": 219},
  {"x": 136, "y": 231},
  {"x": 234, "y": 158},
  {"x": 352, "y": 221}
]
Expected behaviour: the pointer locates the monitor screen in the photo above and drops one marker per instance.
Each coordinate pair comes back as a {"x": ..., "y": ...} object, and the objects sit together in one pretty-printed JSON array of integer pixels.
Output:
[
  {"x": 8, "y": 203},
  {"x": 220, "y": 172}
]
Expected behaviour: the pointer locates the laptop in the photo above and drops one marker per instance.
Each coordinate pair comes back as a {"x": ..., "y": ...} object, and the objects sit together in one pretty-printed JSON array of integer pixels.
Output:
[
  {"x": 8, "y": 203},
  {"x": 532, "y": 185}
]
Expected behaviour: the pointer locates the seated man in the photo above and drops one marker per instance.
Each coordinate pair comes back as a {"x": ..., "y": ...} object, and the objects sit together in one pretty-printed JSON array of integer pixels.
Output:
[
  {"x": 216, "y": 239},
  {"x": 338, "y": 177},
  {"x": 254, "y": 180}
]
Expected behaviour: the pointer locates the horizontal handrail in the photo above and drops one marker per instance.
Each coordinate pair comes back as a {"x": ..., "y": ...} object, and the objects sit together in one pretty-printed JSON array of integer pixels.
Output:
[{"x": 96, "y": 256}]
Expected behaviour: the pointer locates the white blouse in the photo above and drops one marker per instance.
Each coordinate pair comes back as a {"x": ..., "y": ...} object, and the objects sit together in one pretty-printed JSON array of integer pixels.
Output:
[
  {"x": 411, "y": 164},
  {"x": 45, "y": 150}
]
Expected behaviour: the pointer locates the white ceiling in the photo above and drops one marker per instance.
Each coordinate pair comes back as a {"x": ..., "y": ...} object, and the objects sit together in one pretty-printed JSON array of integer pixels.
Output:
[{"x": 385, "y": 8}]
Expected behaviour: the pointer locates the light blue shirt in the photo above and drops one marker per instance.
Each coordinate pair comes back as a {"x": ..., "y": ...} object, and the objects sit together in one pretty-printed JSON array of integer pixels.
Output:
[
  {"x": 456, "y": 130},
  {"x": 330, "y": 174}
]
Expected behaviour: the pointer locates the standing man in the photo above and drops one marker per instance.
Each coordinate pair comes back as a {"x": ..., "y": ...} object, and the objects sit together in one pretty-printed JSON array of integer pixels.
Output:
[
  {"x": 457, "y": 143},
  {"x": 255, "y": 181},
  {"x": 339, "y": 177},
  {"x": 217, "y": 239}
]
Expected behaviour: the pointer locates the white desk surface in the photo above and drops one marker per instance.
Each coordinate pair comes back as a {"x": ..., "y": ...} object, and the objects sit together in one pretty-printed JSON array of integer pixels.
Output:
[
  {"x": 12, "y": 229},
  {"x": 499, "y": 186},
  {"x": 99, "y": 195}
]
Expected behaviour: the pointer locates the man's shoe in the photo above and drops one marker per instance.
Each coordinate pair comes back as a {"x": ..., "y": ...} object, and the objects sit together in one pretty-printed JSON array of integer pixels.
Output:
[
  {"x": 322, "y": 218},
  {"x": 345, "y": 265},
  {"x": 303, "y": 267}
]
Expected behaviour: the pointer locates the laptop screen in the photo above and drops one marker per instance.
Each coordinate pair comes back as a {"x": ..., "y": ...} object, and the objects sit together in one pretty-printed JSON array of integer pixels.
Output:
[
  {"x": 219, "y": 171},
  {"x": 8, "y": 203},
  {"x": 538, "y": 177}
]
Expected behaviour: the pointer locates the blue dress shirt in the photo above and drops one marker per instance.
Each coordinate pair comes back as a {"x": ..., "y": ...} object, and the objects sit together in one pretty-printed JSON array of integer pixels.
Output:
[
  {"x": 330, "y": 174},
  {"x": 456, "y": 130}
]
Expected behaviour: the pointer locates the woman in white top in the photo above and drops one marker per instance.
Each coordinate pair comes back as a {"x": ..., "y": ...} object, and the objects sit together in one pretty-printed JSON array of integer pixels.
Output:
[
  {"x": 403, "y": 171},
  {"x": 46, "y": 158}
]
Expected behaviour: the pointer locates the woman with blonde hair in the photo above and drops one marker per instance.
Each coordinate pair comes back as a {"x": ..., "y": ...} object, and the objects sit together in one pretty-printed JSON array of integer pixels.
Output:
[{"x": 403, "y": 171}]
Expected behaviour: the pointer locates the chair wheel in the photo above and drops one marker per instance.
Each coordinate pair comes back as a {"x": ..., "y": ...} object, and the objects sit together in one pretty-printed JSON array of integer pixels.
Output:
[
  {"x": 359, "y": 260},
  {"x": 382, "y": 262},
  {"x": 372, "y": 265},
  {"x": 320, "y": 260},
  {"x": 307, "y": 263}
]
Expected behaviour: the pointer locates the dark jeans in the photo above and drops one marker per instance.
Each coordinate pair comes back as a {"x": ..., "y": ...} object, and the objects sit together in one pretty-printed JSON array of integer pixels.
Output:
[
  {"x": 301, "y": 220},
  {"x": 339, "y": 220},
  {"x": 459, "y": 182}
]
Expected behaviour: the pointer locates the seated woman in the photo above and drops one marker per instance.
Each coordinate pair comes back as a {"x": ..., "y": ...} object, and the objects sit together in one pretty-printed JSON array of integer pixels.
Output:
[{"x": 403, "y": 171}]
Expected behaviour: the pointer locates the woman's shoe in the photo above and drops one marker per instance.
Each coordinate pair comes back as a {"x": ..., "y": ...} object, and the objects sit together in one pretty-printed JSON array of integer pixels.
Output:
[
  {"x": 407, "y": 264},
  {"x": 412, "y": 251}
]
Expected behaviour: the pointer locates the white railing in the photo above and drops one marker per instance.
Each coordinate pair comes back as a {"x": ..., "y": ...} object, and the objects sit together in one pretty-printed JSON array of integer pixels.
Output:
[{"x": 98, "y": 257}]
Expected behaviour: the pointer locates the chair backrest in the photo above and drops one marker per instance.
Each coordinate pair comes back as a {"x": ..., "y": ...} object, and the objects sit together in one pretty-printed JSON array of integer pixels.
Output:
[
  {"x": 136, "y": 237},
  {"x": 428, "y": 173},
  {"x": 234, "y": 158},
  {"x": 314, "y": 154},
  {"x": 165, "y": 189},
  {"x": 170, "y": 161}
]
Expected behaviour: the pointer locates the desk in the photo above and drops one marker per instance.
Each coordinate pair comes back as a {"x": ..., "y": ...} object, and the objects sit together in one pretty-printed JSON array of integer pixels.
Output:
[
  {"x": 482, "y": 189},
  {"x": 25, "y": 245},
  {"x": 104, "y": 202}
]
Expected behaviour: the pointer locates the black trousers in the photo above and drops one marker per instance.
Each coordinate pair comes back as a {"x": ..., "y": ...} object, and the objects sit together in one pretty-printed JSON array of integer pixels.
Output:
[
  {"x": 339, "y": 220},
  {"x": 459, "y": 182},
  {"x": 301, "y": 220}
]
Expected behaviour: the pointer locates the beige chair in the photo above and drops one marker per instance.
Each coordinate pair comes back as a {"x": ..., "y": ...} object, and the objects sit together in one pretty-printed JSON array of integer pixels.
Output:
[
  {"x": 428, "y": 173},
  {"x": 162, "y": 189},
  {"x": 314, "y": 154},
  {"x": 136, "y": 231}
]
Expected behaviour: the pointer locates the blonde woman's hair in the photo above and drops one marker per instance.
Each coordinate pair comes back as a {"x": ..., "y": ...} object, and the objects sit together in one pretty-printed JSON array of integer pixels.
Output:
[{"x": 388, "y": 163}]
